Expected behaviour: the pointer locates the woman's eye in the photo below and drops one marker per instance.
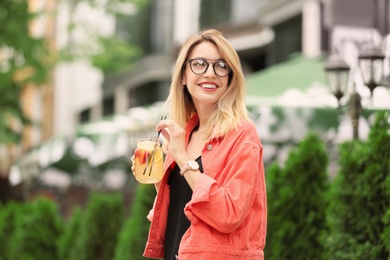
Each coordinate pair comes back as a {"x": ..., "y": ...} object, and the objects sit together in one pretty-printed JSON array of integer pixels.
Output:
[{"x": 221, "y": 65}]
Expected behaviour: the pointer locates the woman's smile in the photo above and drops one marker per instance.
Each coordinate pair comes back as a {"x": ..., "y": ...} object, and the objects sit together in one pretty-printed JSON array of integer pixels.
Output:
[{"x": 208, "y": 86}]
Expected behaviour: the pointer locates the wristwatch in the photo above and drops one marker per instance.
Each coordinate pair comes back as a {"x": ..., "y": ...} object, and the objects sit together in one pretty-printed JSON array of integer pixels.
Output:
[{"x": 190, "y": 165}]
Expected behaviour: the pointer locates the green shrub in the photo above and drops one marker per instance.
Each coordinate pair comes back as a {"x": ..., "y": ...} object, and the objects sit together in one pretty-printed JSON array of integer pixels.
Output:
[
  {"x": 68, "y": 241},
  {"x": 386, "y": 231},
  {"x": 100, "y": 226},
  {"x": 134, "y": 233},
  {"x": 386, "y": 216},
  {"x": 275, "y": 183},
  {"x": 297, "y": 202},
  {"x": 37, "y": 232},
  {"x": 10, "y": 214},
  {"x": 359, "y": 197}
]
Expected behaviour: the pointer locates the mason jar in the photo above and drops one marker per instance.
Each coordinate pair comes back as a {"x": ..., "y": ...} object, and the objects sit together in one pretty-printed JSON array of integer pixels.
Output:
[{"x": 148, "y": 159}]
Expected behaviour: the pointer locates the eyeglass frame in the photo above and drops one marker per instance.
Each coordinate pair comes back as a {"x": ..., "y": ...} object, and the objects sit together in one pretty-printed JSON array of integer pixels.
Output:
[{"x": 208, "y": 65}]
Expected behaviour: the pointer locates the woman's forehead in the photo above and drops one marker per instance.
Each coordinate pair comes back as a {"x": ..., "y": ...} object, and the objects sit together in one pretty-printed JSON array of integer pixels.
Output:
[{"x": 206, "y": 50}]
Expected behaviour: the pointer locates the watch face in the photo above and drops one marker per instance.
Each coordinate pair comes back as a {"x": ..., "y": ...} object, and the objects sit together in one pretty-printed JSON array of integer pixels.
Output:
[{"x": 193, "y": 165}]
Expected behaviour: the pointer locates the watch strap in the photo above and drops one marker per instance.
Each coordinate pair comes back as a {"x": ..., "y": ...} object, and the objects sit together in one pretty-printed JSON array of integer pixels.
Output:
[
  {"x": 184, "y": 169},
  {"x": 188, "y": 167}
]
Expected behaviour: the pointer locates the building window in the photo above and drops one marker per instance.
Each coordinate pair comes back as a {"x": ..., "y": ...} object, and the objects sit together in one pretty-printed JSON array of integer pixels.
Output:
[
  {"x": 214, "y": 13},
  {"x": 108, "y": 106},
  {"x": 85, "y": 115},
  {"x": 148, "y": 93},
  {"x": 288, "y": 40}
]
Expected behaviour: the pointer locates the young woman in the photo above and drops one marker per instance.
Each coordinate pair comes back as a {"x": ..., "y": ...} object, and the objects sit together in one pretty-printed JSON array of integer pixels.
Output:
[{"x": 211, "y": 202}]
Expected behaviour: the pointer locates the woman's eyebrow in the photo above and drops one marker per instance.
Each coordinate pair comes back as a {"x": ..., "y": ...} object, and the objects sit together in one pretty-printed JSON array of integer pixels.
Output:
[{"x": 202, "y": 58}]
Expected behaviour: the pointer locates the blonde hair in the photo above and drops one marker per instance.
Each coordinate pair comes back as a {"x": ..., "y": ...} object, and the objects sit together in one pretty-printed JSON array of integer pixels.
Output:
[{"x": 230, "y": 110}]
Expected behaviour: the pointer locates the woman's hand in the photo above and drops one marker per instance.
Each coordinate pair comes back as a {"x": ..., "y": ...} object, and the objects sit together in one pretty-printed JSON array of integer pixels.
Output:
[{"x": 175, "y": 136}]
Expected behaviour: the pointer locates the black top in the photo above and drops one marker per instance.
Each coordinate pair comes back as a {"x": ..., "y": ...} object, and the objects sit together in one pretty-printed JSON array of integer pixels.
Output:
[{"x": 177, "y": 223}]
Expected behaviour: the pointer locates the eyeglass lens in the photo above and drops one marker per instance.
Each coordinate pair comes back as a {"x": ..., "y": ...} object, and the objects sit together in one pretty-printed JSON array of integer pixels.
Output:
[{"x": 200, "y": 66}]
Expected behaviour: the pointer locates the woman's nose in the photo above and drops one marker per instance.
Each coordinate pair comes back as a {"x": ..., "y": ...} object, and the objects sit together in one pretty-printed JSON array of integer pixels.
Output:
[{"x": 210, "y": 71}]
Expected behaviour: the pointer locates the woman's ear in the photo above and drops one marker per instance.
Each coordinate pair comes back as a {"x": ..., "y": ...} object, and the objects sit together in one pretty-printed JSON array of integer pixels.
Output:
[{"x": 183, "y": 81}]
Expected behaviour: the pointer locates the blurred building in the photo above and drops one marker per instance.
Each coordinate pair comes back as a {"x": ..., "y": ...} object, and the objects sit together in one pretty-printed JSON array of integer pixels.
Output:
[
  {"x": 281, "y": 44},
  {"x": 263, "y": 32},
  {"x": 85, "y": 94}
]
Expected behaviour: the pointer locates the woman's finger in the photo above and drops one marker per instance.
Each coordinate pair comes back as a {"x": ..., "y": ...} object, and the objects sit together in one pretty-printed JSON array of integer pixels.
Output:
[
  {"x": 166, "y": 127},
  {"x": 133, "y": 164},
  {"x": 165, "y": 133},
  {"x": 171, "y": 127}
]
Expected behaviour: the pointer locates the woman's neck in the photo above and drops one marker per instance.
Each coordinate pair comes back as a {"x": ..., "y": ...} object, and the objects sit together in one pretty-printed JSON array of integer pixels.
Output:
[{"x": 204, "y": 113}]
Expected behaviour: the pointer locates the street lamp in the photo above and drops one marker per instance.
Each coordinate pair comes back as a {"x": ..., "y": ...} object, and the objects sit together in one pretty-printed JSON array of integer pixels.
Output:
[
  {"x": 337, "y": 75},
  {"x": 371, "y": 65}
]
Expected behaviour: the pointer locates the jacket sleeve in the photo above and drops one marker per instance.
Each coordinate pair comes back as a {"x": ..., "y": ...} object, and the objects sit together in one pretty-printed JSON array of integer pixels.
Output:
[{"x": 224, "y": 203}]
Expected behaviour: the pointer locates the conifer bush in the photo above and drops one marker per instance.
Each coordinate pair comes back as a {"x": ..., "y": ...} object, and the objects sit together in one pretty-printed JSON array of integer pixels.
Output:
[
  {"x": 359, "y": 198},
  {"x": 10, "y": 214},
  {"x": 134, "y": 233},
  {"x": 296, "y": 195},
  {"x": 275, "y": 183},
  {"x": 68, "y": 240},
  {"x": 37, "y": 231},
  {"x": 386, "y": 221},
  {"x": 100, "y": 227}
]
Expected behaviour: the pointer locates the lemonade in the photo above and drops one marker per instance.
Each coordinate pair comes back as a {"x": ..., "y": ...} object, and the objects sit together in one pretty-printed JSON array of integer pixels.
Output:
[{"x": 148, "y": 160}]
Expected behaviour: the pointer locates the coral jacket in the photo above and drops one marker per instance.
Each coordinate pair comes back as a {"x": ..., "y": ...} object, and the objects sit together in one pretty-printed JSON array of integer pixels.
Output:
[{"x": 228, "y": 208}]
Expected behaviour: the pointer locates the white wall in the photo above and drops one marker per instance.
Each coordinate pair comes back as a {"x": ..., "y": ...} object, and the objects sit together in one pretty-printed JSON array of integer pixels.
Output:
[
  {"x": 77, "y": 84},
  {"x": 311, "y": 23},
  {"x": 185, "y": 21},
  {"x": 244, "y": 11}
]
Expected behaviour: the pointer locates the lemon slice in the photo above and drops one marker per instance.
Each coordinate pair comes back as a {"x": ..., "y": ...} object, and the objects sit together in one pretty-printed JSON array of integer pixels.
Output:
[{"x": 158, "y": 156}]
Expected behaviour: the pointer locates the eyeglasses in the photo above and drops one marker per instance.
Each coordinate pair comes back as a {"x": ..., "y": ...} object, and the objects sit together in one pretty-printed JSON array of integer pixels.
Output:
[{"x": 199, "y": 66}]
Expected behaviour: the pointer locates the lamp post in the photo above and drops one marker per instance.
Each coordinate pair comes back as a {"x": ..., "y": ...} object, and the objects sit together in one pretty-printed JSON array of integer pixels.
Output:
[
  {"x": 337, "y": 70},
  {"x": 371, "y": 65},
  {"x": 337, "y": 75}
]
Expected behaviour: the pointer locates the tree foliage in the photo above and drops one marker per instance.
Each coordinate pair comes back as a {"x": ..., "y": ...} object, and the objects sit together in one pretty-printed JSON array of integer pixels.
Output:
[
  {"x": 23, "y": 59},
  {"x": 115, "y": 55},
  {"x": 68, "y": 240},
  {"x": 133, "y": 236},
  {"x": 10, "y": 215},
  {"x": 297, "y": 201},
  {"x": 37, "y": 232},
  {"x": 111, "y": 53},
  {"x": 358, "y": 213},
  {"x": 98, "y": 233}
]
